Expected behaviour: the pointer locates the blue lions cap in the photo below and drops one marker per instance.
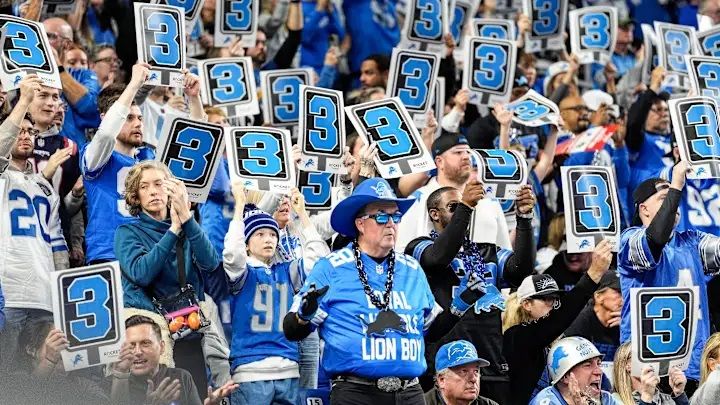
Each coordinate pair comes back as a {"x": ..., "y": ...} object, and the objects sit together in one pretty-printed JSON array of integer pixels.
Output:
[
  {"x": 255, "y": 218},
  {"x": 457, "y": 353},
  {"x": 369, "y": 191}
]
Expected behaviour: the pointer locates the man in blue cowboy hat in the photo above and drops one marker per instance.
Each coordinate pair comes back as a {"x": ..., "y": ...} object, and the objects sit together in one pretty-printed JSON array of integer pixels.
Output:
[{"x": 371, "y": 305}]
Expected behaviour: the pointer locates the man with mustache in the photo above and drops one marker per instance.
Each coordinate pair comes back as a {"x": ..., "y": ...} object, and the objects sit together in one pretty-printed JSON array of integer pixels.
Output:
[
  {"x": 574, "y": 365},
  {"x": 107, "y": 159},
  {"x": 32, "y": 243},
  {"x": 371, "y": 305}
]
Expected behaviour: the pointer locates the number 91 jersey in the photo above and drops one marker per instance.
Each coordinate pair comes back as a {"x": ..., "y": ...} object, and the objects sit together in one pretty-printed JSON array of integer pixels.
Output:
[{"x": 30, "y": 234}]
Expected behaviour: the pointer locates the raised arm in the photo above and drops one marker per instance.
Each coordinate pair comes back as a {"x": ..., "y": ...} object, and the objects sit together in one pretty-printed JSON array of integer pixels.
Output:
[
  {"x": 521, "y": 264},
  {"x": 9, "y": 129},
  {"x": 640, "y": 108},
  {"x": 234, "y": 253},
  {"x": 98, "y": 151}
]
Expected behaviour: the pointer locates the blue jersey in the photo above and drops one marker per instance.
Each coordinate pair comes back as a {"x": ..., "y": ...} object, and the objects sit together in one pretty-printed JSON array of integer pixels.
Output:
[
  {"x": 688, "y": 259},
  {"x": 650, "y": 159},
  {"x": 258, "y": 310},
  {"x": 700, "y": 206},
  {"x": 318, "y": 27},
  {"x": 373, "y": 27},
  {"x": 358, "y": 339},
  {"x": 106, "y": 207},
  {"x": 551, "y": 396}
]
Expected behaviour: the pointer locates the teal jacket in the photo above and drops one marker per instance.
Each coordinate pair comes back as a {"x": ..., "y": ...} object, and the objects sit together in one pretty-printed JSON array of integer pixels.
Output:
[{"x": 146, "y": 251}]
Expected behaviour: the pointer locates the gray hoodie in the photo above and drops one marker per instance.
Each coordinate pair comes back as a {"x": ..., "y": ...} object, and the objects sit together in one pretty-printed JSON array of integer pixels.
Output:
[{"x": 709, "y": 392}]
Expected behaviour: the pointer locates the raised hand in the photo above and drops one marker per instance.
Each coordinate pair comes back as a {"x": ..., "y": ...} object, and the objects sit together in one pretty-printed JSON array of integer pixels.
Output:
[
  {"x": 140, "y": 72},
  {"x": 677, "y": 381},
  {"x": 55, "y": 342},
  {"x": 30, "y": 85},
  {"x": 648, "y": 384},
  {"x": 601, "y": 259},
  {"x": 310, "y": 302},
  {"x": 191, "y": 85},
  {"x": 474, "y": 191},
  {"x": 215, "y": 397},
  {"x": 56, "y": 160},
  {"x": 503, "y": 115},
  {"x": 125, "y": 359},
  {"x": 166, "y": 392},
  {"x": 525, "y": 200}
]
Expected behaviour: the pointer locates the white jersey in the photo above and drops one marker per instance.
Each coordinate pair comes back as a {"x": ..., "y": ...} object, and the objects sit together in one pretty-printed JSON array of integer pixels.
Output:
[{"x": 30, "y": 233}]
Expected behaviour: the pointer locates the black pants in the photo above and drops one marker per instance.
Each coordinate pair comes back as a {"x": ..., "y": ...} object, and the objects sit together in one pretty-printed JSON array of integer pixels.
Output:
[
  {"x": 346, "y": 393},
  {"x": 188, "y": 355}
]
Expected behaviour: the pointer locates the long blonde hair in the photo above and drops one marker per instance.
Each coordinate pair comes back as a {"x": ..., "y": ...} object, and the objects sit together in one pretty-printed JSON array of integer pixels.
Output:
[
  {"x": 514, "y": 313},
  {"x": 711, "y": 351},
  {"x": 622, "y": 381}
]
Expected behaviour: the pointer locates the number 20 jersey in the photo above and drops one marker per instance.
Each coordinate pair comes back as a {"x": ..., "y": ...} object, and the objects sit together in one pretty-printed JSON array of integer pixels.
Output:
[
  {"x": 689, "y": 258},
  {"x": 29, "y": 234}
]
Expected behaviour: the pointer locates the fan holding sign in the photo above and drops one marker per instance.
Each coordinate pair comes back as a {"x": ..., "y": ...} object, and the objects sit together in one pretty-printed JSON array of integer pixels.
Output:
[
  {"x": 704, "y": 75},
  {"x": 260, "y": 157},
  {"x": 385, "y": 122},
  {"x": 673, "y": 43},
  {"x": 534, "y": 110},
  {"x": 710, "y": 42},
  {"x": 25, "y": 50},
  {"x": 653, "y": 254},
  {"x": 192, "y": 151},
  {"x": 321, "y": 130},
  {"x": 160, "y": 32},
  {"x": 426, "y": 22},
  {"x": 411, "y": 78},
  {"x": 489, "y": 70},
  {"x": 592, "y": 209},
  {"x": 593, "y": 31},
  {"x": 281, "y": 95},
  {"x": 236, "y": 18},
  {"x": 695, "y": 123},
  {"x": 547, "y": 24},
  {"x": 229, "y": 83}
]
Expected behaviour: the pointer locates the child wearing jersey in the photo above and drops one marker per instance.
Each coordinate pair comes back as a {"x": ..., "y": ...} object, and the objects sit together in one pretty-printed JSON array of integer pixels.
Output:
[{"x": 263, "y": 362}]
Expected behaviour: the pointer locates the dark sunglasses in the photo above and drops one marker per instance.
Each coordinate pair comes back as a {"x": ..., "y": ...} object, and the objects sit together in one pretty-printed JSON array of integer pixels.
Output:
[{"x": 382, "y": 218}]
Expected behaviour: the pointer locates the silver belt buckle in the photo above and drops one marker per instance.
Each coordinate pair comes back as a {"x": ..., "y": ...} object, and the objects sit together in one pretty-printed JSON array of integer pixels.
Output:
[{"x": 389, "y": 384}]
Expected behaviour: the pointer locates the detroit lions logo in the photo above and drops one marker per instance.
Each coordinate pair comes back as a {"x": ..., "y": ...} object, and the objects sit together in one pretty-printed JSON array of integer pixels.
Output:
[
  {"x": 382, "y": 190},
  {"x": 461, "y": 350},
  {"x": 558, "y": 355},
  {"x": 248, "y": 183},
  {"x": 153, "y": 77},
  {"x": 700, "y": 171},
  {"x": 386, "y": 321},
  {"x": 583, "y": 244},
  {"x": 391, "y": 170},
  {"x": 309, "y": 163},
  {"x": 17, "y": 80},
  {"x": 77, "y": 359}
]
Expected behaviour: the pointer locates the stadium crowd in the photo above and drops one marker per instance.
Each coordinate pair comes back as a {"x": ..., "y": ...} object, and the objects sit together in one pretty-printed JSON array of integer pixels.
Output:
[{"x": 385, "y": 299}]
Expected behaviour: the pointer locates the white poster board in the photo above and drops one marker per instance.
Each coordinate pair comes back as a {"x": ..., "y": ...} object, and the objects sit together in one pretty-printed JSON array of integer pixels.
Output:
[
  {"x": 160, "y": 35},
  {"x": 321, "y": 130},
  {"x": 695, "y": 124},
  {"x": 25, "y": 50}
]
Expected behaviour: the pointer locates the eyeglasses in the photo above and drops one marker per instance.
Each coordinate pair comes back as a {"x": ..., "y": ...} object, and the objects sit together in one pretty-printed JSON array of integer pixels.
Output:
[
  {"x": 382, "y": 218},
  {"x": 659, "y": 111},
  {"x": 578, "y": 109},
  {"x": 31, "y": 131},
  {"x": 109, "y": 60},
  {"x": 451, "y": 207}
]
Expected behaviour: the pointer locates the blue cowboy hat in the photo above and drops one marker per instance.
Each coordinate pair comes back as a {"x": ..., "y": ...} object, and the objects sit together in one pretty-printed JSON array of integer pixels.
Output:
[{"x": 369, "y": 191}]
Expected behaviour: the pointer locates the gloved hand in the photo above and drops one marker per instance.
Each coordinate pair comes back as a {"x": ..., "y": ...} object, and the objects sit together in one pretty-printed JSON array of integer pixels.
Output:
[
  {"x": 309, "y": 304},
  {"x": 472, "y": 288}
]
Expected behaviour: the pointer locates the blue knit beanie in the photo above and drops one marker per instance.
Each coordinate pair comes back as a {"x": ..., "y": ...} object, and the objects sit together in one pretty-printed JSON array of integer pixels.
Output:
[{"x": 255, "y": 218}]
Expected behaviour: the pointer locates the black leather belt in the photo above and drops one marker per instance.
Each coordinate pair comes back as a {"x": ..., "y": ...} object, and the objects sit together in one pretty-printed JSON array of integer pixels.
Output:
[{"x": 386, "y": 384}]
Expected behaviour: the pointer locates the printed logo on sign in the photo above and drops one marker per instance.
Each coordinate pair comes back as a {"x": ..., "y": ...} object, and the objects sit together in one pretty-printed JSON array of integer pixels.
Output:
[
  {"x": 248, "y": 183},
  {"x": 391, "y": 170},
  {"x": 77, "y": 359},
  {"x": 309, "y": 163},
  {"x": 700, "y": 171},
  {"x": 153, "y": 77},
  {"x": 489, "y": 189},
  {"x": 583, "y": 244},
  {"x": 17, "y": 80}
]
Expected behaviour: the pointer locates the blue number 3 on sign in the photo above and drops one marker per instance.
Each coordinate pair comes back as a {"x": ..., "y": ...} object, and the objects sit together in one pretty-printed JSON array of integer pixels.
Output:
[
  {"x": 163, "y": 44},
  {"x": 90, "y": 296}
]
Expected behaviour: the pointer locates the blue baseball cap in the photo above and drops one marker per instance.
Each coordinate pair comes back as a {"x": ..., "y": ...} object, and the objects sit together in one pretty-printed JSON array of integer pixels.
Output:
[
  {"x": 457, "y": 353},
  {"x": 342, "y": 218}
]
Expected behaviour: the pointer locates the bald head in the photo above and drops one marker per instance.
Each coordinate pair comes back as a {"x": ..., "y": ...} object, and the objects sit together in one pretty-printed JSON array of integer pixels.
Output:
[
  {"x": 59, "y": 32},
  {"x": 575, "y": 113}
]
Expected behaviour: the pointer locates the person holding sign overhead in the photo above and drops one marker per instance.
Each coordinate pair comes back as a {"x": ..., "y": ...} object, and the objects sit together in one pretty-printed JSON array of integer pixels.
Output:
[
  {"x": 31, "y": 242},
  {"x": 653, "y": 254},
  {"x": 107, "y": 159}
]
